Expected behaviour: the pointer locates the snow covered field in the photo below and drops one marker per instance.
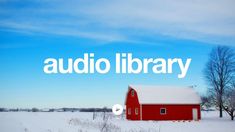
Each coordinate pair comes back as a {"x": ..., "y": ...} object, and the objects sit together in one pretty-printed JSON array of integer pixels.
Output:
[{"x": 82, "y": 122}]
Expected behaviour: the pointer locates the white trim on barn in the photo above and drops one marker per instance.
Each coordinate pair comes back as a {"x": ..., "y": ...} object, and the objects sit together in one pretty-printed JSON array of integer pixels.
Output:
[{"x": 140, "y": 111}]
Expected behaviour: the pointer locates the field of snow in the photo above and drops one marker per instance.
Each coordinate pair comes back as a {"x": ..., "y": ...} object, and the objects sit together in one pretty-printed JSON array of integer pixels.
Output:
[{"x": 83, "y": 122}]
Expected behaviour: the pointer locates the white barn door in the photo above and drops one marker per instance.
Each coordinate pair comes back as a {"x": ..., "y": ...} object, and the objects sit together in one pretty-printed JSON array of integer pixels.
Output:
[{"x": 195, "y": 115}]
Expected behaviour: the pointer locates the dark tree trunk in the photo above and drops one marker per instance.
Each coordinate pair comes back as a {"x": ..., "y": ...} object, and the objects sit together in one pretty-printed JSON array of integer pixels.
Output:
[
  {"x": 220, "y": 107},
  {"x": 232, "y": 116},
  {"x": 220, "y": 111}
]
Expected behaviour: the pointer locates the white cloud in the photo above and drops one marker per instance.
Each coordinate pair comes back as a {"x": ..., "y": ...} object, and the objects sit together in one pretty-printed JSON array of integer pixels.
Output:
[{"x": 211, "y": 21}]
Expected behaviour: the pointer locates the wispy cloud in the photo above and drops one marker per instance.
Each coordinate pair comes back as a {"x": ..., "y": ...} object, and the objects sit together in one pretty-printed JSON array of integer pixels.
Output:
[{"x": 211, "y": 21}]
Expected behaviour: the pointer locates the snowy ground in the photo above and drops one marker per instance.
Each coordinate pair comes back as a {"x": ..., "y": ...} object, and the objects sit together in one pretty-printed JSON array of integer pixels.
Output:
[{"x": 82, "y": 122}]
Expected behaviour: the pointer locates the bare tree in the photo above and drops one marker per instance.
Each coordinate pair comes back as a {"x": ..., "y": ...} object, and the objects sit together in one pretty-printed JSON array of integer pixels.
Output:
[
  {"x": 207, "y": 102},
  {"x": 229, "y": 105},
  {"x": 219, "y": 72},
  {"x": 35, "y": 110}
]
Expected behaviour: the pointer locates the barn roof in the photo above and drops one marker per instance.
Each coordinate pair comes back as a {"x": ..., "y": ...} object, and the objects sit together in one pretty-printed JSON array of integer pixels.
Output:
[{"x": 166, "y": 95}]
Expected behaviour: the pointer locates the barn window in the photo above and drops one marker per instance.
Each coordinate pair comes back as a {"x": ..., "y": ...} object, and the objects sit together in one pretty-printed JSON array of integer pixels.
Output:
[
  {"x": 163, "y": 111},
  {"x": 136, "y": 111},
  {"x": 132, "y": 93},
  {"x": 129, "y": 111}
]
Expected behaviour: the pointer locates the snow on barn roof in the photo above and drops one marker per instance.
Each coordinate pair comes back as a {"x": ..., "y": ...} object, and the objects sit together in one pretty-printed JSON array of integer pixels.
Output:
[{"x": 166, "y": 95}]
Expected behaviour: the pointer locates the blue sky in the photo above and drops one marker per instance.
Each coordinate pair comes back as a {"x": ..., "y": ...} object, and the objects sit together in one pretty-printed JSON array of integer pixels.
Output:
[{"x": 32, "y": 31}]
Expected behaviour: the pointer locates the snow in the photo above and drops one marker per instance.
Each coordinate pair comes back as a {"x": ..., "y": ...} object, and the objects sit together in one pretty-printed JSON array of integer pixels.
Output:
[
  {"x": 166, "y": 95},
  {"x": 82, "y": 122}
]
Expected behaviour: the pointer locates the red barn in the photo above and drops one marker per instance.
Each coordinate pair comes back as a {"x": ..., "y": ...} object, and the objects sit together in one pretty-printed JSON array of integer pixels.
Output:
[{"x": 162, "y": 103}]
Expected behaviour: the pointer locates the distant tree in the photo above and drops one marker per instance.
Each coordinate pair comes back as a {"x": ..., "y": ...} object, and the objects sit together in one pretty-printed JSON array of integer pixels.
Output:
[
  {"x": 64, "y": 109},
  {"x": 35, "y": 109},
  {"x": 219, "y": 72},
  {"x": 51, "y": 110},
  {"x": 2, "y": 109},
  {"x": 207, "y": 102}
]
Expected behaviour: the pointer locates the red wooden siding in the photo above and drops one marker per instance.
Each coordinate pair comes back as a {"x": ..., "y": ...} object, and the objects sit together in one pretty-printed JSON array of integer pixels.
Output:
[
  {"x": 152, "y": 112},
  {"x": 173, "y": 112},
  {"x": 133, "y": 103}
]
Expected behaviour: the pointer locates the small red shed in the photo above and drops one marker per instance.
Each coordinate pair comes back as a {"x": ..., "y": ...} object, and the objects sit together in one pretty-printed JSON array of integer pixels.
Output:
[{"x": 162, "y": 103}]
